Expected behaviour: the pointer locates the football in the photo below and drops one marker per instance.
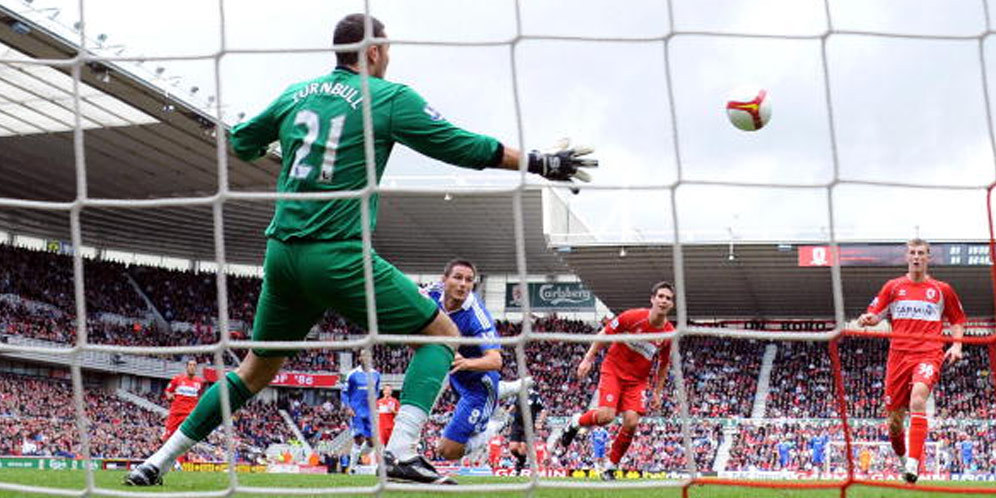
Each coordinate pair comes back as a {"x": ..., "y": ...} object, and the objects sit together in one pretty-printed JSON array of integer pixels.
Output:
[{"x": 749, "y": 109}]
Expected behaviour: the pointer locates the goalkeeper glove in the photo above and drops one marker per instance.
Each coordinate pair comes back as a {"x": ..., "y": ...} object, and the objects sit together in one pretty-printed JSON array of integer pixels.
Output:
[{"x": 562, "y": 164}]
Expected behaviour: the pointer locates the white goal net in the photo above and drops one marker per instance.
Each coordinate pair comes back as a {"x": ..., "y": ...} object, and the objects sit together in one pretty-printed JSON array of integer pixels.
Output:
[{"x": 818, "y": 173}]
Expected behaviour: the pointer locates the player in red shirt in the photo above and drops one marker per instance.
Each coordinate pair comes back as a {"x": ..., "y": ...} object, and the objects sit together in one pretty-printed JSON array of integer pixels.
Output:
[
  {"x": 625, "y": 373},
  {"x": 541, "y": 454},
  {"x": 182, "y": 392},
  {"x": 495, "y": 446},
  {"x": 387, "y": 408},
  {"x": 918, "y": 305}
]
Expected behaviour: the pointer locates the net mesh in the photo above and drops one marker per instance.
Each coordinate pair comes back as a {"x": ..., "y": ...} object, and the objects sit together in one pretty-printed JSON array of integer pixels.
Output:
[{"x": 223, "y": 195}]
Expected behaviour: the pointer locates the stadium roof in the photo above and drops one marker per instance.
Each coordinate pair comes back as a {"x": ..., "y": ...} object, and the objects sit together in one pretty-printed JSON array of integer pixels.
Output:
[
  {"x": 142, "y": 144},
  {"x": 762, "y": 280},
  {"x": 160, "y": 147}
]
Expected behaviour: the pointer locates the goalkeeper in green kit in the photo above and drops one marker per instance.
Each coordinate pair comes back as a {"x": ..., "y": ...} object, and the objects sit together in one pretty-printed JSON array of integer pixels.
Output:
[{"x": 314, "y": 255}]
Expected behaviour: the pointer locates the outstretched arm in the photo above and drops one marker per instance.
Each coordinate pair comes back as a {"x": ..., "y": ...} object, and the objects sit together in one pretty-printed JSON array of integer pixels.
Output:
[{"x": 415, "y": 124}]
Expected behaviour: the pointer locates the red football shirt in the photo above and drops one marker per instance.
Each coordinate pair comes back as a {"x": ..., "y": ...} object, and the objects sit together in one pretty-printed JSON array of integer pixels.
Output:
[
  {"x": 494, "y": 449},
  {"x": 387, "y": 408},
  {"x": 541, "y": 453},
  {"x": 918, "y": 308},
  {"x": 185, "y": 391},
  {"x": 633, "y": 360}
]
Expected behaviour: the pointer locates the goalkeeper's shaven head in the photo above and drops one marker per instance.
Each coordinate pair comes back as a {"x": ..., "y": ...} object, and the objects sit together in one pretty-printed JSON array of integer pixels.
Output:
[{"x": 350, "y": 30}]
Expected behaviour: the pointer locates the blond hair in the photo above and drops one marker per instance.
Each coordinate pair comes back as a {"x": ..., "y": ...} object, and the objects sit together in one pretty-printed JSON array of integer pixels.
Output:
[{"x": 917, "y": 241}]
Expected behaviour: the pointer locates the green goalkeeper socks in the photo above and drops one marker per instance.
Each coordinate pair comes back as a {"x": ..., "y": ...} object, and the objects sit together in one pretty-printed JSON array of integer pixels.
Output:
[
  {"x": 207, "y": 414},
  {"x": 425, "y": 375}
]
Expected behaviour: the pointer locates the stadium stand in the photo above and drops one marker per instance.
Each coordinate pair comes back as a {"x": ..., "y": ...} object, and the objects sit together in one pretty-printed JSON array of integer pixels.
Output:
[
  {"x": 721, "y": 376},
  {"x": 48, "y": 278}
]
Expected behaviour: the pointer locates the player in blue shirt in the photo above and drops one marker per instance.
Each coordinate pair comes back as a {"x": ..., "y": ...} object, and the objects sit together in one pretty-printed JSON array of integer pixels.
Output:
[
  {"x": 599, "y": 438},
  {"x": 784, "y": 453},
  {"x": 474, "y": 376},
  {"x": 819, "y": 445},
  {"x": 354, "y": 401},
  {"x": 967, "y": 448}
]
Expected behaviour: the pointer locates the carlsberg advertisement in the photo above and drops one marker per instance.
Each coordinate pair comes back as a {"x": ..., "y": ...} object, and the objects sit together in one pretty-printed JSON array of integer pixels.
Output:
[{"x": 545, "y": 296}]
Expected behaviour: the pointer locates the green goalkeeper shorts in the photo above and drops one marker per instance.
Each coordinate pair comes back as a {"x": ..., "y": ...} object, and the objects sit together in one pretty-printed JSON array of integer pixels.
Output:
[{"x": 302, "y": 279}]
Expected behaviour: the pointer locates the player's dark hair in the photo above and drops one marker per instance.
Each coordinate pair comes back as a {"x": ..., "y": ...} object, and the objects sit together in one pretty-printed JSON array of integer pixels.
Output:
[
  {"x": 350, "y": 30},
  {"x": 663, "y": 284},
  {"x": 458, "y": 262},
  {"x": 917, "y": 241}
]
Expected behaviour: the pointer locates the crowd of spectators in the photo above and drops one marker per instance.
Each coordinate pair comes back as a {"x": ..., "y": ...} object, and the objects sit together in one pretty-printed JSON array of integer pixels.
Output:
[
  {"x": 317, "y": 421},
  {"x": 553, "y": 364},
  {"x": 48, "y": 278},
  {"x": 38, "y": 417},
  {"x": 53, "y": 326},
  {"x": 965, "y": 390},
  {"x": 19, "y": 318},
  {"x": 720, "y": 376},
  {"x": 756, "y": 446},
  {"x": 802, "y": 383},
  {"x": 658, "y": 446},
  {"x": 188, "y": 296},
  {"x": 256, "y": 425},
  {"x": 953, "y": 446}
]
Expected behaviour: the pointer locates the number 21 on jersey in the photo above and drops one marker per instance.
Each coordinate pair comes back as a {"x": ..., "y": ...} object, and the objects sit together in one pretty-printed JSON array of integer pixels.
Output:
[{"x": 312, "y": 124}]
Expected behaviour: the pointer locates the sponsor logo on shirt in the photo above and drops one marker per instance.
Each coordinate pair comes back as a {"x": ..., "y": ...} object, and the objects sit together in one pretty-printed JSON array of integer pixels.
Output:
[
  {"x": 645, "y": 349},
  {"x": 186, "y": 390},
  {"x": 915, "y": 310}
]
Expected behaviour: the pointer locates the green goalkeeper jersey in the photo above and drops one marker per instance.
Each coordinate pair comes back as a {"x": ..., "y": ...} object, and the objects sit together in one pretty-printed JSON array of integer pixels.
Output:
[{"x": 320, "y": 127}]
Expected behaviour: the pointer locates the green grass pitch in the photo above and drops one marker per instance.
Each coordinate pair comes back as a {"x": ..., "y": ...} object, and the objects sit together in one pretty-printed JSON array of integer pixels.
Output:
[{"x": 200, "y": 481}]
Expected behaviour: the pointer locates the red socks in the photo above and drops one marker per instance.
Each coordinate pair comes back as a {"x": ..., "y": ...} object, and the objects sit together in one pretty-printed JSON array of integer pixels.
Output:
[
  {"x": 588, "y": 419},
  {"x": 918, "y": 434},
  {"x": 620, "y": 445}
]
